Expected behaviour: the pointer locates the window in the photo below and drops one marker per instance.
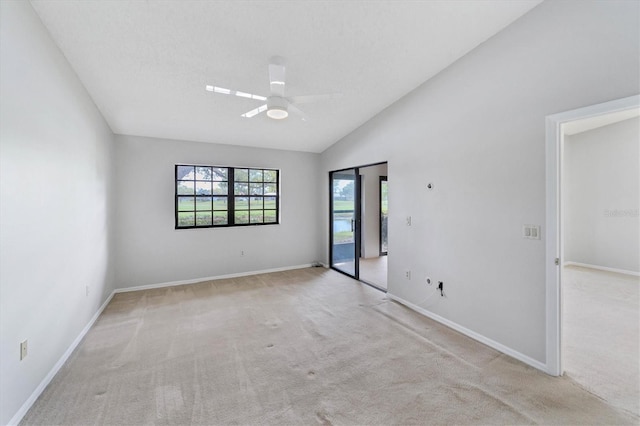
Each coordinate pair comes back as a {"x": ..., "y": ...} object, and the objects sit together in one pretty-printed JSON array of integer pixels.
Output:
[
  {"x": 384, "y": 215},
  {"x": 210, "y": 196}
]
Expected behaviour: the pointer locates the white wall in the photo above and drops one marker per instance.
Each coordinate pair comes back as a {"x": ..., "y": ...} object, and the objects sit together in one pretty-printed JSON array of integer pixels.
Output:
[
  {"x": 371, "y": 209},
  {"x": 477, "y": 131},
  {"x": 55, "y": 168},
  {"x": 601, "y": 187},
  {"x": 149, "y": 249}
]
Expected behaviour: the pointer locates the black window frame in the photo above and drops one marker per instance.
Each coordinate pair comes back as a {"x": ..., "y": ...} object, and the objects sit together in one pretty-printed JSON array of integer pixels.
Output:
[{"x": 231, "y": 196}]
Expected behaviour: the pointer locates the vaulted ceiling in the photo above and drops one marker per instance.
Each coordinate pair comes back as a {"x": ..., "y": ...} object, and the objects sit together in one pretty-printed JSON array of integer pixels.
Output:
[{"x": 146, "y": 63}]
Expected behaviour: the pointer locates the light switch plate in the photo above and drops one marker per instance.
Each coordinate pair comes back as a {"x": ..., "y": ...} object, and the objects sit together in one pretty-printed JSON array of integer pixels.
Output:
[{"x": 531, "y": 232}]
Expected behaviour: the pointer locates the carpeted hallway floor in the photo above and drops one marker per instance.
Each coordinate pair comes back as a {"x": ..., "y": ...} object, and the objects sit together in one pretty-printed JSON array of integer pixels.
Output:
[
  {"x": 300, "y": 347},
  {"x": 601, "y": 329}
]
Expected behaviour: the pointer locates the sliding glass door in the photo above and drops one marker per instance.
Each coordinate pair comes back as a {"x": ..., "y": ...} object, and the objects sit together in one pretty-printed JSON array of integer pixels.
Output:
[{"x": 345, "y": 222}]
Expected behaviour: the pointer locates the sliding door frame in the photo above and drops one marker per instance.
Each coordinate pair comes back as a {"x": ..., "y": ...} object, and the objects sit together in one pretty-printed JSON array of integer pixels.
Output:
[{"x": 358, "y": 217}]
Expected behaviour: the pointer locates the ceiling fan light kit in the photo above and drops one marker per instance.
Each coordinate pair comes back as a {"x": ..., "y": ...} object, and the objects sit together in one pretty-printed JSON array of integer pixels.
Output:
[{"x": 277, "y": 106}]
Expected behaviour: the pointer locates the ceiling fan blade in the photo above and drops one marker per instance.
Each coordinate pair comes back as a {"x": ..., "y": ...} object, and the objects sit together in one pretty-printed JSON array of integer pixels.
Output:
[
  {"x": 255, "y": 111},
  {"x": 277, "y": 76},
  {"x": 238, "y": 93},
  {"x": 305, "y": 99},
  {"x": 294, "y": 109}
]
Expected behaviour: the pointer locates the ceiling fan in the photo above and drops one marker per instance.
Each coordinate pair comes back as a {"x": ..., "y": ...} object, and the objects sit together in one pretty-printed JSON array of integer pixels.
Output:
[{"x": 277, "y": 105}]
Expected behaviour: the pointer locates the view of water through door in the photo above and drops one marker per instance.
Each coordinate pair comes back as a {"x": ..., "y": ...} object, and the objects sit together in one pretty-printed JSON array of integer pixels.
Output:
[{"x": 344, "y": 221}]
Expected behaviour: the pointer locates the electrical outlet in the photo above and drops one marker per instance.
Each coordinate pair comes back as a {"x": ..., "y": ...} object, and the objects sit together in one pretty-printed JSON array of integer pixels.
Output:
[
  {"x": 23, "y": 350},
  {"x": 408, "y": 220},
  {"x": 241, "y": 252},
  {"x": 407, "y": 274}
]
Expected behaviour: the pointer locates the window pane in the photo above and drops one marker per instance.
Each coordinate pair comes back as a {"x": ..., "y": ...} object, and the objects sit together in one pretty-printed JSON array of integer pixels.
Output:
[
  {"x": 270, "y": 216},
  {"x": 242, "y": 203},
  {"x": 256, "y": 216},
  {"x": 185, "y": 172},
  {"x": 270, "y": 175},
  {"x": 185, "y": 203},
  {"x": 220, "y": 188},
  {"x": 220, "y": 218},
  {"x": 241, "y": 189},
  {"x": 203, "y": 188},
  {"x": 203, "y": 218},
  {"x": 203, "y": 173},
  {"x": 220, "y": 203},
  {"x": 269, "y": 202},
  {"x": 255, "y": 175},
  {"x": 203, "y": 203},
  {"x": 384, "y": 216},
  {"x": 186, "y": 219},
  {"x": 241, "y": 175},
  {"x": 256, "y": 203},
  {"x": 185, "y": 187},
  {"x": 242, "y": 217},
  {"x": 255, "y": 188},
  {"x": 220, "y": 174},
  {"x": 270, "y": 189}
]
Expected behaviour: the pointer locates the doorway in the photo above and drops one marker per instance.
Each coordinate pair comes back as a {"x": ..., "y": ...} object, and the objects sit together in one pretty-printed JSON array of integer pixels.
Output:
[
  {"x": 592, "y": 240},
  {"x": 358, "y": 223}
]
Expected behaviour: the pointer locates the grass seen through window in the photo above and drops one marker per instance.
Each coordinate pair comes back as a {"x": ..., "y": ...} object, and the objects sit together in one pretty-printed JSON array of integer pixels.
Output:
[{"x": 209, "y": 196}]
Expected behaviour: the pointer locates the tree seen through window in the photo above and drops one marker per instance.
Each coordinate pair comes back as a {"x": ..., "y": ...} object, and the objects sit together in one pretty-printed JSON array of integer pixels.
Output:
[{"x": 209, "y": 196}]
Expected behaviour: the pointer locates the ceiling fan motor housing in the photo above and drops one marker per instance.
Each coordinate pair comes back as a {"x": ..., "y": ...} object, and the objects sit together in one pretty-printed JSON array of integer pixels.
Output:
[{"x": 277, "y": 107}]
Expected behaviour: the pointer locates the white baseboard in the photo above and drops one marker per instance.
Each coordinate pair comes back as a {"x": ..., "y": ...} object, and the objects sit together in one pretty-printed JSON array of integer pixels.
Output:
[
  {"x": 480, "y": 338},
  {"x": 58, "y": 365},
  {"x": 602, "y": 268},
  {"x": 217, "y": 277}
]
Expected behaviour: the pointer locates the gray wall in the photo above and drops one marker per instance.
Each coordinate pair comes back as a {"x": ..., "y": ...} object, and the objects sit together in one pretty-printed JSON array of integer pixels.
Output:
[
  {"x": 477, "y": 131},
  {"x": 55, "y": 203},
  {"x": 601, "y": 190},
  {"x": 149, "y": 249}
]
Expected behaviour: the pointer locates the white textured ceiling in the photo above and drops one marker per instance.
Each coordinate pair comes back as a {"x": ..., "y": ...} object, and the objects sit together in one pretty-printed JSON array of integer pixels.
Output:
[{"x": 146, "y": 63}]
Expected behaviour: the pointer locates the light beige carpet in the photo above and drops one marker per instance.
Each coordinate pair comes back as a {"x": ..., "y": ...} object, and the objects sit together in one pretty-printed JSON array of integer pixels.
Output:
[
  {"x": 601, "y": 329},
  {"x": 373, "y": 270},
  {"x": 300, "y": 348}
]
